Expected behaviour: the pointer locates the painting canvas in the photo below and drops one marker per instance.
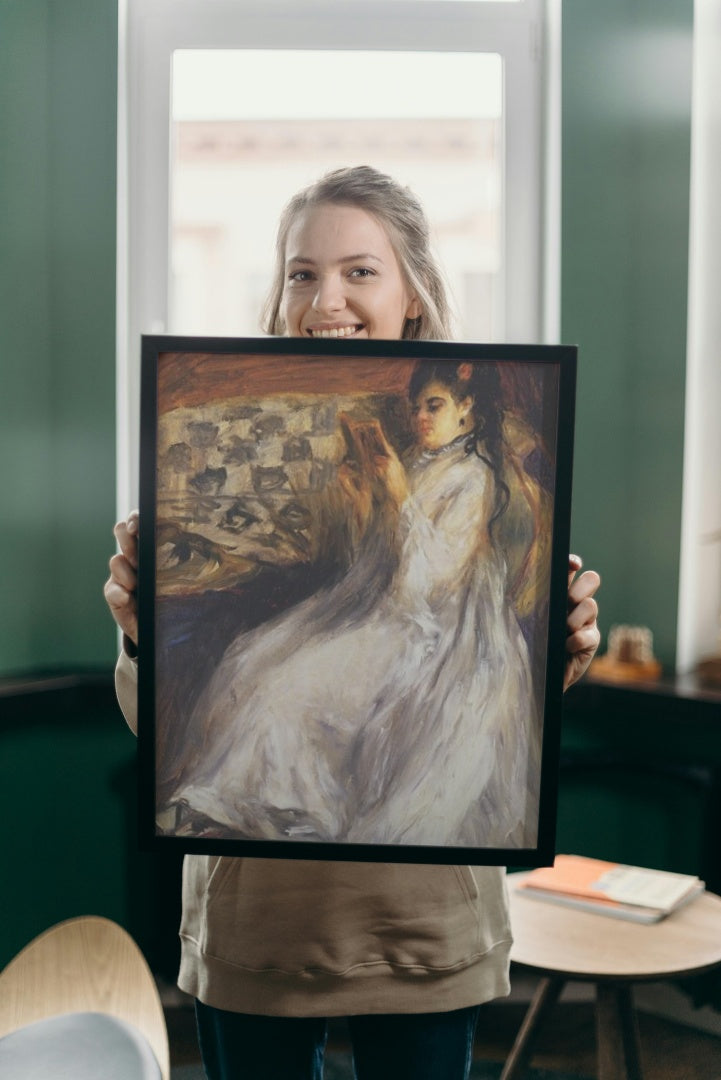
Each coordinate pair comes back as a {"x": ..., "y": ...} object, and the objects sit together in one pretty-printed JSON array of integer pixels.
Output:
[{"x": 353, "y": 573}]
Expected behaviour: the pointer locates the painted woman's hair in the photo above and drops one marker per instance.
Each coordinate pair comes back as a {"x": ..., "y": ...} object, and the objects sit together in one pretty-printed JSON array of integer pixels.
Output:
[
  {"x": 481, "y": 382},
  {"x": 402, "y": 216}
]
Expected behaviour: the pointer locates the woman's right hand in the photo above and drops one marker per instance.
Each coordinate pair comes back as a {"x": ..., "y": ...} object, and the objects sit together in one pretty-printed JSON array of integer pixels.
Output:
[
  {"x": 390, "y": 470},
  {"x": 121, "y": 587}
]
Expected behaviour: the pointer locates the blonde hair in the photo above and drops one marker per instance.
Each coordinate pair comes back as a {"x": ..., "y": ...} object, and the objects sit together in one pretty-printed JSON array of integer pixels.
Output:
[{"x": 403, "y": 217}]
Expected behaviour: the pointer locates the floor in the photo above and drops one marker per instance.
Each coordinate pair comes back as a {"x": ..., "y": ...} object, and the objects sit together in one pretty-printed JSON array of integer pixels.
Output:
[{"x": 669, "y": 1051}]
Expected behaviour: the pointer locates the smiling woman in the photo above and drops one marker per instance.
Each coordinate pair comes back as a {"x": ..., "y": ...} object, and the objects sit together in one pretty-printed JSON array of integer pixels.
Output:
[
  {"x": 404, "y": 655},
  {"x": 353, "y": 260},
  {"x": 339, "y": 259}
]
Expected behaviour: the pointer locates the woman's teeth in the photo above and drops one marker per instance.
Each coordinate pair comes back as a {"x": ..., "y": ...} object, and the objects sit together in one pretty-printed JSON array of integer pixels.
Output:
[{"x": 337, "y": 331}]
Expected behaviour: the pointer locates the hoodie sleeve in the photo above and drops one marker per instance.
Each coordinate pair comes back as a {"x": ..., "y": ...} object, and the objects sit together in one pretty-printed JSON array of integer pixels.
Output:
[{"x": 126, "y": 688}]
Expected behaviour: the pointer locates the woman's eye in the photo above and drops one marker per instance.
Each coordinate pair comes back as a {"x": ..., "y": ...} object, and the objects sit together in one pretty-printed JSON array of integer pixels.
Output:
[
  {"x": 299, "y": 276},
  {"x": 362, "y": 272}
]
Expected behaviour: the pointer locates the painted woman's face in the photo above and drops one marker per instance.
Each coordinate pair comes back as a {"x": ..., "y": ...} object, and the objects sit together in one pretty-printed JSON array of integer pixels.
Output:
[
  {"x": 438, "y": 418},
  {"x": 342, "y": 277}
]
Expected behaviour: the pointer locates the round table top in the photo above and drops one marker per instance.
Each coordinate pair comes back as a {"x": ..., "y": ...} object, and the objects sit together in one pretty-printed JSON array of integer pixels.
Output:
[{"x": 559, "y": 940}]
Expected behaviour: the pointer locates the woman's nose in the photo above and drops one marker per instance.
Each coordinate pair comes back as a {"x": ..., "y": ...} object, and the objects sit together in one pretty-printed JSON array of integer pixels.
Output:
[{"x": 329, "y": 296}]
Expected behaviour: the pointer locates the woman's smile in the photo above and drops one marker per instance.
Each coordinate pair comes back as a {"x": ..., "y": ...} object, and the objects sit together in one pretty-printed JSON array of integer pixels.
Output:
[
  {"x": 342, "y": 277},
  {"x": 335, "y": 331}
]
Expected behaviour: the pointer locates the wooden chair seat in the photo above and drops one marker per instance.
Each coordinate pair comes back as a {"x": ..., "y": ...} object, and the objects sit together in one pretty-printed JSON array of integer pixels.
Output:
[{"x": 84, "y": 965}]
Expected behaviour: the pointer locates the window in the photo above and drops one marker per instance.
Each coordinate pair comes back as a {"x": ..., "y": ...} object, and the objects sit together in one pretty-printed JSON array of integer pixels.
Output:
[
  {"x": 235, "y": 161},
  {"x": 227, "y": 107}
]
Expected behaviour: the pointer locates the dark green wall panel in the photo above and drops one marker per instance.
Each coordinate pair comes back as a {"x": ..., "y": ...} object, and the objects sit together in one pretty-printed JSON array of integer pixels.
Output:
[
  {"x": 68, "y": 786},
  {"x": 67, "y": 843},
  {"x": 626, "y": 145},
  {"x": 82, "y": 273},
  {"x": 26, "y": 488},
  {"x": 58, "y": 77}
]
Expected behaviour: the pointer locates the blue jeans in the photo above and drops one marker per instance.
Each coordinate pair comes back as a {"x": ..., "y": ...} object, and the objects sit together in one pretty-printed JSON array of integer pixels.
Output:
[{"x": 415, "y": 1046}]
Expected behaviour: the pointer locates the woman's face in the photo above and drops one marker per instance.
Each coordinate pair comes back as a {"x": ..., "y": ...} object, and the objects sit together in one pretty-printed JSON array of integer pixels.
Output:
[
  {"x": 438, "y": 418},
  {"x": 342, "y": 277}
]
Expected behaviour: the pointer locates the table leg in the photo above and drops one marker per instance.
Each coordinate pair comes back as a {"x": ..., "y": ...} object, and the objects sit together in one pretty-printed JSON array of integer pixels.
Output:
[
  {"x": 617, "y": 1033},
  {"x": 545, "y": 997}
]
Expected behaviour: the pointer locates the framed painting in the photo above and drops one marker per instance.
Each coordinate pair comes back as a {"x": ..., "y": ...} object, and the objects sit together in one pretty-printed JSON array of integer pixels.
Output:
[{"x": 352, "y": 597}]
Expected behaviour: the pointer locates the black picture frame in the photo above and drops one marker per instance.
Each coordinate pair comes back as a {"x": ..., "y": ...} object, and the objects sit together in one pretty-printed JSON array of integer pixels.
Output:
[{"x": 273, "y": 547}]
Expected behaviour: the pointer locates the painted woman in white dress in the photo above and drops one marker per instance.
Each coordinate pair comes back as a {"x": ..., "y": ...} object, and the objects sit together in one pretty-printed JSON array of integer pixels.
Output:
[{"x": 396, "y": 706}]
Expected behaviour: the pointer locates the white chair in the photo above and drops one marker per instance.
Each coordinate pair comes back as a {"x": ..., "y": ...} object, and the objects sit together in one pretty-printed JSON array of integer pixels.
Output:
[{"x": 80, "y": 1002}]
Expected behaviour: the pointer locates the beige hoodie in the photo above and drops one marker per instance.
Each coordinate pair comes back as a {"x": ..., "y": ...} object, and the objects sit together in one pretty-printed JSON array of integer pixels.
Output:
[{"x": 294, "y": 937}]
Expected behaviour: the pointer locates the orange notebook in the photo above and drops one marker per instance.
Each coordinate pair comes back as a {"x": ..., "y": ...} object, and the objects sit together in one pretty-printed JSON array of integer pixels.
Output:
[{"x": 631, "y": 892}]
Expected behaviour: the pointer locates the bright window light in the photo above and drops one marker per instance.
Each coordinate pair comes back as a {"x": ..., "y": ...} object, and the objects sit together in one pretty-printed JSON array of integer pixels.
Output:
[
  {"x": 238, "y": 155},
  {"x": 222, "y": 84}
]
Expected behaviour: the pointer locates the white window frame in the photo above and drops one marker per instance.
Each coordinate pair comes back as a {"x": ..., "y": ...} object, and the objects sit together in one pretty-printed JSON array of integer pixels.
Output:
[
  {"x": 526, "y": 34},
  {"x": 699, "y": 596}
]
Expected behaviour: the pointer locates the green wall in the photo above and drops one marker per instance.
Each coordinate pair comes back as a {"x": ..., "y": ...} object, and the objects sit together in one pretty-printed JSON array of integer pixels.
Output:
[
  {"x": 626, "y": 145},
  {"x": 66, "y": 758},
  {"x": 58, "y": 73}
]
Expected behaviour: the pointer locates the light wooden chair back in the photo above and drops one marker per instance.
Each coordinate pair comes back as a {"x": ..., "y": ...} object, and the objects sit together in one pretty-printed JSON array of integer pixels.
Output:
[{"x": 87, "y": 964}]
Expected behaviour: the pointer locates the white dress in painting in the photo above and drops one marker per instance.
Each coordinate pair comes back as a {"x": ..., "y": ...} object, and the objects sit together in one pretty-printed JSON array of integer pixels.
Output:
[{"x": 395, "y": 707}]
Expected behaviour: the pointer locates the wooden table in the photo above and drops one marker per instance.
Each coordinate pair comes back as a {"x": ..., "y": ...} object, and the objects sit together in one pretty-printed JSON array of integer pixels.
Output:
[{"x": 563, "y": 944}]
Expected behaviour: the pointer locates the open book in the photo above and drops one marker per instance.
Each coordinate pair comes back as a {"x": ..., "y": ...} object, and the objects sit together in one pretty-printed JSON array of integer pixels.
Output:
[{"x": 608, "y": 888}]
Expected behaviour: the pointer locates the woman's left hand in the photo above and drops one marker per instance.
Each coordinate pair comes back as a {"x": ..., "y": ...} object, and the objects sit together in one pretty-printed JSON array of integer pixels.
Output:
[
  {"x": 582, "y": 633},
  {"x": 358, "y": 490}
]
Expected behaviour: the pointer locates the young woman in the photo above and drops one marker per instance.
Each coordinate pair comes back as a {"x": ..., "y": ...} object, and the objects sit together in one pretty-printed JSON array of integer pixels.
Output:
[{"x": 270, "y": 948}]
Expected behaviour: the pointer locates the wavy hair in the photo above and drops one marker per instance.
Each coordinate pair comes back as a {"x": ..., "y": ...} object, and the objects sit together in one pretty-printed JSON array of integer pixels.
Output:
[{"x": 481, "y": 382}]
